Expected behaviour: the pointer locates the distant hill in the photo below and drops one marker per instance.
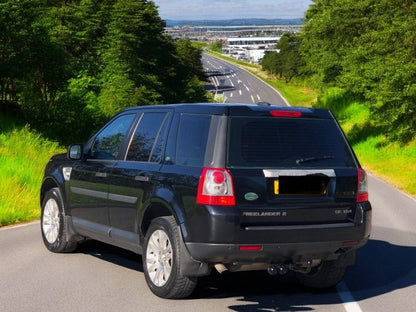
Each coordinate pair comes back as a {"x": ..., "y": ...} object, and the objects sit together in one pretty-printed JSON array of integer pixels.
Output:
[{"x": 236, "y": 22}]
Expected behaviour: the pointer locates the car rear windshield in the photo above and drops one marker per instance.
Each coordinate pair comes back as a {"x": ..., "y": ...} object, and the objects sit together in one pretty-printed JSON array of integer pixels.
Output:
[{"x": 287, "y": 142}]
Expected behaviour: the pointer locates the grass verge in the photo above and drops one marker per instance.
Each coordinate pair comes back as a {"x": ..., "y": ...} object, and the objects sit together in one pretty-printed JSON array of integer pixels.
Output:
[
  {"x": 393, "y": 162},
  {"x": 23, "y": 156}
]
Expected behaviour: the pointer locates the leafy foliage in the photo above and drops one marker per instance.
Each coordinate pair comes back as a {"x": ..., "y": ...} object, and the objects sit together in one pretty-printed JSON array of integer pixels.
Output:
[
  {"x": 69, "y": 65},
  {"x": 287, "y": 62},
  {"x": 367, "y": 48}
]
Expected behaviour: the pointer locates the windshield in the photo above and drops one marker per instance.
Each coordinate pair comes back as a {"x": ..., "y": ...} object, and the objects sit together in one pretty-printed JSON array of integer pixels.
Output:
[{"x": 287, "y": 142}]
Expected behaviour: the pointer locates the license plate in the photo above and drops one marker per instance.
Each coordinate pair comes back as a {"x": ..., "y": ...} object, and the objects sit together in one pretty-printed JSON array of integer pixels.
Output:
[{"x": 276, "y": 187}]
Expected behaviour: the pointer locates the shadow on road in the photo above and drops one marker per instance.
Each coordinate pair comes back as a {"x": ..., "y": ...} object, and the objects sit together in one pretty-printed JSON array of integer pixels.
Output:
[
  {"x": 381, "y": 268},
  {"x": 111, "y": 254}
]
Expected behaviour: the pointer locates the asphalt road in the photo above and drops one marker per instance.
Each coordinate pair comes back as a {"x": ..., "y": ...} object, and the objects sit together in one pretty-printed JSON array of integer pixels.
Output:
[
  {"x": 98, "y": 277},
  {"x": 235, "y": 85}
]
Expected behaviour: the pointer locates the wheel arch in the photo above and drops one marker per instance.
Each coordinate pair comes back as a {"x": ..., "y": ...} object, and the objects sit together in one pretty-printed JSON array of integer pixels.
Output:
[
  {"x": 159, "y": 207},
  {"x": 153, "y": 210},
  {"x": 48, "y": 184}
]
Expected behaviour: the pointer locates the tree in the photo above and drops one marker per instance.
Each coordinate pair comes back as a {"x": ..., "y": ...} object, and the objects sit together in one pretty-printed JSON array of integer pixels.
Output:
[
  {"x": 287, "y": 62},
  {"x": 70, "y": 64},
  {"x": 367, "y": 48}
]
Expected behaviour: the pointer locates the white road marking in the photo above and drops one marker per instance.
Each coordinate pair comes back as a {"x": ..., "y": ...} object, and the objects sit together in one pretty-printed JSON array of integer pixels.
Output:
[
  {"x": 241, "y": 92},
  {"x": 252, "y": 99},
  {"x": 258, "y": 97},
  {"x": 344, "y": 293}
]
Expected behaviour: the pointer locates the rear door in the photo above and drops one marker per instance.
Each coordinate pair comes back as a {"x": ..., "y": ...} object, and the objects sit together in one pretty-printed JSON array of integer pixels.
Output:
[{"x": 291, "y": 172}]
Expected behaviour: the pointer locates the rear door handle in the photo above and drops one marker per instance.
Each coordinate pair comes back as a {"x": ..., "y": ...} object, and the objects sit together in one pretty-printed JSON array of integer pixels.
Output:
[
  {"x": 142, "y": 178},
  {"x": 101, "y": 175}
]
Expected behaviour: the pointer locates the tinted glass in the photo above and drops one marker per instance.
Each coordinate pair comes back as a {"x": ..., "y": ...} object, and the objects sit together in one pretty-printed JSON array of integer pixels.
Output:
[
  {"x": 148, "y": 130},
  {"x": 108, "y": 142},
  {"x": 287, "y": 142},
  {"x": 157, "y": 152},
  {"x": 192, "y": 139}
]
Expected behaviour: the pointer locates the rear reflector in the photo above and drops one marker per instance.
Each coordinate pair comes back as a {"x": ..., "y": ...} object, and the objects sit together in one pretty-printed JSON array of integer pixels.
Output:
[
  {"x": 290, "y": 114},
  {"x": 250, "y": 248}
]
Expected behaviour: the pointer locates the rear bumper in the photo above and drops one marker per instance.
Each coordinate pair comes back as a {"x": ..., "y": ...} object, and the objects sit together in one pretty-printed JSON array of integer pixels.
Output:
[
  {"x": 221, "y": 236},
  {"x": 271, "y": 253}
]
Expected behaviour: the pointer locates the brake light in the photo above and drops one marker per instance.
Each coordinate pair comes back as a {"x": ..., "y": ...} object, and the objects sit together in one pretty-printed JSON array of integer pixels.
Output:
[
  {"x": 215, "y": 188},
  {"x": 250, "y": 248},
  {"x": 362, "y": 187},
  {"x": 290, "y": 114}
]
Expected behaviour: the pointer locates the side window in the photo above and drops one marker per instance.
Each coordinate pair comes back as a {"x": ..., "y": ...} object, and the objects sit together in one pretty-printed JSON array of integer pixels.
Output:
[
  {"x": 148, "y": 139},
  {"x": 108, "y": 142},
  {"x": 192, "y": 139}
]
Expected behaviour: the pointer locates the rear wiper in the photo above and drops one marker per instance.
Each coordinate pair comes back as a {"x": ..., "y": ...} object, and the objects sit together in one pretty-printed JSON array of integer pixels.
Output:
[{"x": 308, "y": 159}]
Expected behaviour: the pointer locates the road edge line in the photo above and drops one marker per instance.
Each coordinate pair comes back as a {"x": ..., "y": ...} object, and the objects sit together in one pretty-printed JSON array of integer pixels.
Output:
[{"x": 350, "y": 305}]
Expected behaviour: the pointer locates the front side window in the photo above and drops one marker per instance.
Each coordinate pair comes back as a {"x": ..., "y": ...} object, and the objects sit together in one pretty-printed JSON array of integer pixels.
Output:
[
  {"x": 148, "y": 138},
  {"x": 108, "y": 143}
]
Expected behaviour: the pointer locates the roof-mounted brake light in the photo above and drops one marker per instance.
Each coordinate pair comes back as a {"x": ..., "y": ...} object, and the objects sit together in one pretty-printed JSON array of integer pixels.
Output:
[{"x": 290, "y": 114}]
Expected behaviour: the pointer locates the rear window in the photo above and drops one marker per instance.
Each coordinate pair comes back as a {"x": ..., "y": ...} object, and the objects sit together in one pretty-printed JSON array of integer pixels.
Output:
[{"x": 287, "y": 142}]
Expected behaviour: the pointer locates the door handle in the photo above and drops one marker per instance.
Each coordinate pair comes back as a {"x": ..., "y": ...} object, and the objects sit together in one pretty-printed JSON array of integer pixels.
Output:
[
  {"x": 141, "y": 178},
  {"x": 101, "y": 175}
]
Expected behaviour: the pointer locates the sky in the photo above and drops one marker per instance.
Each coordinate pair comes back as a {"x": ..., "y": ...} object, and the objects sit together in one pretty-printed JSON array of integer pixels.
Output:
[{"x": 231, "y": 9}]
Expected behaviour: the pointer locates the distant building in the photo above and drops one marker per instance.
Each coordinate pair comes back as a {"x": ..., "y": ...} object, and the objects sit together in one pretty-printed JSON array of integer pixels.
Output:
[{"x": 250, "y": 48}]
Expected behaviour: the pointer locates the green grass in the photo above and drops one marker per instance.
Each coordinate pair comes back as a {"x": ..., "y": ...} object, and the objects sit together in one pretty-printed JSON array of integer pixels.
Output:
[
  {"x": 391, "y": 161},
  {"x": 23, "y": 156}
]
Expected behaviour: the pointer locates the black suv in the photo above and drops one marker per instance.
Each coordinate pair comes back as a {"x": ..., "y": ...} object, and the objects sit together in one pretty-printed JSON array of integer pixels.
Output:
[{"x": 193, "y": 187}]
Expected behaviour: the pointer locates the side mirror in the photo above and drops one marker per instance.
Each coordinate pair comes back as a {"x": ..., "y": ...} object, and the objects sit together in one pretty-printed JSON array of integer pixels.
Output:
[{"x": 75, "y": 151}]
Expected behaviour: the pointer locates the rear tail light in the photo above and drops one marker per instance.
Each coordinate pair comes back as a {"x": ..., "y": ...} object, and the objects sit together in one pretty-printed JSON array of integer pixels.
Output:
[
  {"x": 362, "y": 187},
  {"x": 215, "y": 188}
]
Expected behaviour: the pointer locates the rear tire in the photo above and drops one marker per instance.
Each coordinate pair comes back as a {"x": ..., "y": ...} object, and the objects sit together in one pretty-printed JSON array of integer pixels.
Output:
[
  {"x": 53, "y": 223},
  {"x": 326, "y": 275},
  {"x": 161, "y": 261}
]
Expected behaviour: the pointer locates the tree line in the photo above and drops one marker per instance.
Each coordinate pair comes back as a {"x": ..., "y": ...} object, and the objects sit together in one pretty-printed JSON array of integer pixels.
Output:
[
  {"x": 367, "y": 48},
  {"x": 66, "y": 66}
]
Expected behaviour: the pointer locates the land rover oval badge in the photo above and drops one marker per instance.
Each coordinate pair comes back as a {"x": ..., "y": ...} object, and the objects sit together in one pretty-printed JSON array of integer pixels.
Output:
[{"x": 251, "y": 196}]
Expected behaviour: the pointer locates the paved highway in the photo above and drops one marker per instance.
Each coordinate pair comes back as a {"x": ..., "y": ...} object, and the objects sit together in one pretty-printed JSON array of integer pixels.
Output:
[
  {"x": 234, "y": 85},
  {"x": 98, "y": 277}
]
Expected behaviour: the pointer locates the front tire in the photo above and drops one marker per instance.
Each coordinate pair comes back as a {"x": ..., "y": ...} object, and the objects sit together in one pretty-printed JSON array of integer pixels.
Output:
[
  {"x": 326, "y": 275},
  {"x": 161, "y": 261},
  {"x": 53, "y": 223}
]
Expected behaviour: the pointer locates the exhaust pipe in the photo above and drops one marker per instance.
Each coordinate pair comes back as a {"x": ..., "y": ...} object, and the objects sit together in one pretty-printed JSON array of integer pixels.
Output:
[{"x": 275, "y": 269}]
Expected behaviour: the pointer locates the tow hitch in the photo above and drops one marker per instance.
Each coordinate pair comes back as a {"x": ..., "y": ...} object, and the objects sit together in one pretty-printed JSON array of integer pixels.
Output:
[{"x": 283, "y": 268}]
